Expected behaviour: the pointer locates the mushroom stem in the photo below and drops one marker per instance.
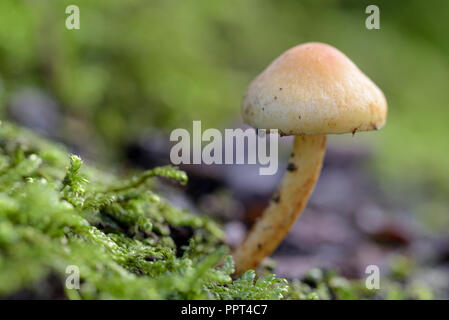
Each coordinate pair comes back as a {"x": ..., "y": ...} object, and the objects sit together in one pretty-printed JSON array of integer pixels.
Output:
[{"x": 286, "y": 205}]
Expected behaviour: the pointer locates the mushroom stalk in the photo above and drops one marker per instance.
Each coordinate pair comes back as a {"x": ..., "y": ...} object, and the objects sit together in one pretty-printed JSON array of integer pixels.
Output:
[{"x": 286, "y": 205}]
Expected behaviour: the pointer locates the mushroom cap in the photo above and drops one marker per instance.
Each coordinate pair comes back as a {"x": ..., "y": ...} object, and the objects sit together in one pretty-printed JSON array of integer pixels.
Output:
[{"x": 314, "y": 88}]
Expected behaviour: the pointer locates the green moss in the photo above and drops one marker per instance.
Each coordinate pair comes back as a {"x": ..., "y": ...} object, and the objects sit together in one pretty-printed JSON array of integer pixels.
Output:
[{"x": 55, "y": 213}]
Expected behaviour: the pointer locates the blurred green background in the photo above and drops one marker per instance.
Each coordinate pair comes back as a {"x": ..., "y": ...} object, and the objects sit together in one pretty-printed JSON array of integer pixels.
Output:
[{"x": 163, "y": 63}]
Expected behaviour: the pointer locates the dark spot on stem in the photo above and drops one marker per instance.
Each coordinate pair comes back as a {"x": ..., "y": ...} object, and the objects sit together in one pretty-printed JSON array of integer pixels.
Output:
[
  {"x": 292, "y": 167},
  {"x": 276, "y": 198}
]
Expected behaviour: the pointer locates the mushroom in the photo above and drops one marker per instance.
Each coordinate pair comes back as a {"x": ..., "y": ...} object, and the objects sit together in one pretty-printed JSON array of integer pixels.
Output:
[{"x": 309, "y": 91}]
